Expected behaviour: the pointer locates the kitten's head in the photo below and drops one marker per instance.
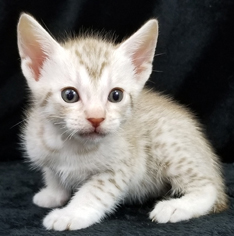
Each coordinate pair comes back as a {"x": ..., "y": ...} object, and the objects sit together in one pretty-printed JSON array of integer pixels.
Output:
[{"x": 87, "y": 86}]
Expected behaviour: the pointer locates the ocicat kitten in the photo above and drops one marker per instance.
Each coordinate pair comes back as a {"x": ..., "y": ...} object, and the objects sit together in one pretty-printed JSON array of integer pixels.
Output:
[{"x": 100, "y": 138}]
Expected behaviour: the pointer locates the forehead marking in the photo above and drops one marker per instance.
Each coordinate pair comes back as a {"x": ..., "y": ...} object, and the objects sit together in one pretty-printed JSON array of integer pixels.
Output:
[{"x": 94, "y": 59}]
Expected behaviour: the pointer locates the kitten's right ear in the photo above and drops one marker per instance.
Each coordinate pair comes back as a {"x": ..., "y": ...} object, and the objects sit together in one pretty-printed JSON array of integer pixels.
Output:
[{"x": 35, "y": 46}]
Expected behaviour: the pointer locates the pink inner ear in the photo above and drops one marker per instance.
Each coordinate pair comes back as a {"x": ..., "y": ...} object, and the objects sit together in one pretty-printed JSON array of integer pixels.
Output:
[
  {"x": 138, "y": 60},
  {"x": 141, "y": 56},
  {"x": 37, "y": 56}
]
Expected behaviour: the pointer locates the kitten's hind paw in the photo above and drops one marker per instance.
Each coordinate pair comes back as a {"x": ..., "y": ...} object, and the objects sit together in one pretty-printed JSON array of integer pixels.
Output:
[
  {"x": 169, "y": 211},
  {"x": 49, "y": 199}
]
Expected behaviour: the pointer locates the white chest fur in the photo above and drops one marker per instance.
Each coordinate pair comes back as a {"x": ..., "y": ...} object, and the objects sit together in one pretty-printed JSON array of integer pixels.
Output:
[{"x": 70, "y": 159}]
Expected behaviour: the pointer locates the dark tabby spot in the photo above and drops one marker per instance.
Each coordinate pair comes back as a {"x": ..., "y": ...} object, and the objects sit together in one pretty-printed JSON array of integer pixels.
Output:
[
  {"x": 45, "y": 100},
  {"x": 114, "y": 183}
]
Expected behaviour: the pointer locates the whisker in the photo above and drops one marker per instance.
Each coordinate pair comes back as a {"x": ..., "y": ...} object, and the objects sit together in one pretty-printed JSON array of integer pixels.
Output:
[
  {"x": 156, "y": 55},
  {"x": 18, "y": 123},
  {"x": 159, "y": 54},
  {"x": 66, "y": 131},
  {"x": 159, "y": 71},
  {"x": 72, "y": 134}
]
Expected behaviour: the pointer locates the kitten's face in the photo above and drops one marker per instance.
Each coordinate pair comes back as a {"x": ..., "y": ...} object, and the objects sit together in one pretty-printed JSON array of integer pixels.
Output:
[
  {"x": 86, "y": 87},
  {"x": 77, "y": 91}
]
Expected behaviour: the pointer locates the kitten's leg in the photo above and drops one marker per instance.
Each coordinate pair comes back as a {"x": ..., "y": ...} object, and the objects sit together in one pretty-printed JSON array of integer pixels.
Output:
[
  {"x": 90, "y": 204},
  {"x": 53, "y": 195},
  {"x": 195, "y": 203}
]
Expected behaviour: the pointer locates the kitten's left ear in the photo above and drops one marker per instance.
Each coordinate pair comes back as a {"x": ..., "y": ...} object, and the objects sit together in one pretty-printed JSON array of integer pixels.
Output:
[
  {"x": 35, "y": 46},
  {"x": 140, "y": 47}
]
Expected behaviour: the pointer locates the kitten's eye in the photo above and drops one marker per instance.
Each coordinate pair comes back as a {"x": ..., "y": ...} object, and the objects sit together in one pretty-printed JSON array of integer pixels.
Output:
[
  {"x": 116, "y": 95},
  {"x": 70, "y": 95}
]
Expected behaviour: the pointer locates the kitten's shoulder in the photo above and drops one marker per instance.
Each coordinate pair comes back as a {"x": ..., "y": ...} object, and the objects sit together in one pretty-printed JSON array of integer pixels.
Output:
[{"x": 159, "y": 104}]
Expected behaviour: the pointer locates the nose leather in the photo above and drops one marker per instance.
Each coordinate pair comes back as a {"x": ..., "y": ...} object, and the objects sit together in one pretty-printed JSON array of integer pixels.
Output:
[{"x": 95, "y": 121}]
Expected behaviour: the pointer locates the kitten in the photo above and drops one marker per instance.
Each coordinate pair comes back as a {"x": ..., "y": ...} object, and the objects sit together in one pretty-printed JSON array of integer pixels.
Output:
[{"x": 95, "y": 131}]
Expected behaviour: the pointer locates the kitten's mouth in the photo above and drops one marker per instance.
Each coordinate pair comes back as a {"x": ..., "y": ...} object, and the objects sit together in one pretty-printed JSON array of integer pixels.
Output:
[{"x": 92, "y": 135}]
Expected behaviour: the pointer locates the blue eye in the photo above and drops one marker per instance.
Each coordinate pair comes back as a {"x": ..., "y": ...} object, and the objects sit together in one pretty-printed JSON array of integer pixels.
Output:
[
  {"x": 70, "y": 95},
  {"x": 116, "y": 95}
]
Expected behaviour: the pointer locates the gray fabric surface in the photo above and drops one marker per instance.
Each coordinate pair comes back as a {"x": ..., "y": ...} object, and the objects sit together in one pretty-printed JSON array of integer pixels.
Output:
[{"x": 19, "y": 217}]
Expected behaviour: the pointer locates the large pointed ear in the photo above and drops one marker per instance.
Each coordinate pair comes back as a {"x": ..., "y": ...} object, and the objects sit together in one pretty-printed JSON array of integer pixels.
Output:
[
  {"x": 140, "y": 47},
  {"x": 35, "y": 46}
]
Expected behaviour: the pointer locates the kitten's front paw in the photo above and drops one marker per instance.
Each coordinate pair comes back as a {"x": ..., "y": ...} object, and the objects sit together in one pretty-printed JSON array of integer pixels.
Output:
[
  {"x": 66, "y": 219},
  {"x": 49, "y": 199},
  {"x": 169, "y": 211}
]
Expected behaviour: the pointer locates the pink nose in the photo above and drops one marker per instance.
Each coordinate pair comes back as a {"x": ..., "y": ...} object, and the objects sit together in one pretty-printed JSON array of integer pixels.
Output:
[{"x": 95, "y": 121}]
